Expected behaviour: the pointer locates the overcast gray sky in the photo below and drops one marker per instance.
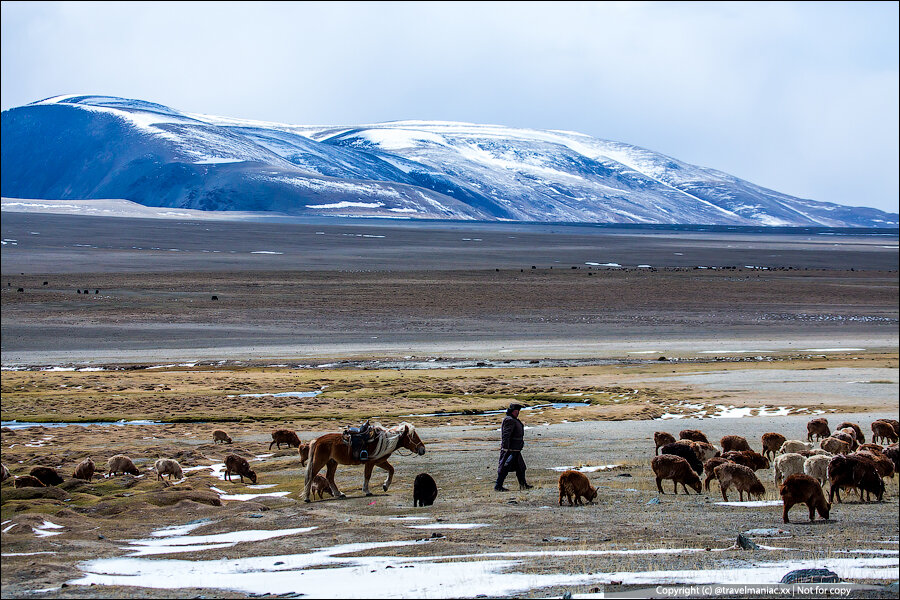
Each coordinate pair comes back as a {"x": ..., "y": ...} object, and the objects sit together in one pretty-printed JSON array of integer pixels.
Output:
[{"x": 798, "y": 97}]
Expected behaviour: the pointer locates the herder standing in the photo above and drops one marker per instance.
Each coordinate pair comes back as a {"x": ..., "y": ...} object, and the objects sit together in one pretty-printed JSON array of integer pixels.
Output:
[{"x": 512, "y": 440}]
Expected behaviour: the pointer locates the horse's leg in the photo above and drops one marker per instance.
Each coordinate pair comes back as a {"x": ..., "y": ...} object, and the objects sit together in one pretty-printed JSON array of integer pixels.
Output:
[
  {"x": 331, "y": 467},
  {"x": 367, "y": 474},
  {"x": 387, "y": 467},
  {"x": 313, "y": 467}
]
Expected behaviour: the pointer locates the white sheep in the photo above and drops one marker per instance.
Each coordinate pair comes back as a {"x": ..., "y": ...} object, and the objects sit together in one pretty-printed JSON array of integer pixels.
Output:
[
  {"x": 794, "y": 446},
  {"x": 816, "y": 466},
  {"x": 168, "y": 466},
  {"x": 788, "y": 464}
]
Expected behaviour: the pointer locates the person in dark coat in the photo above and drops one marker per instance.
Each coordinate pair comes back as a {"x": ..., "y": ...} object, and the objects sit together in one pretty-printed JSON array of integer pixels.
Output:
[{"x": 512, "y": 440}]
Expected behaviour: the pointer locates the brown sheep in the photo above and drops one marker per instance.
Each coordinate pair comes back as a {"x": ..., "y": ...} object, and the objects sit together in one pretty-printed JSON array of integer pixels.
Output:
[
  {"x": 844, "y": 436},
  {"x": 694, "y": 435},
  {"x": 220, "y": 436},
  {"x": 320, "y": 486},
  {"x": 817, "y": 427},
  {"x": 884, "y": 430},
  {"x": 750, "y": 459},
  {"x": 835, "y": 446},
  {"x": 168, "y": 466},
  {"x": 894, "y": 423},
  {"x": 236, "y": 465},
  {"x": 735, "y": 443},
  {"x": 47, "y": 475},
  {"x": 661, "y": 438},
  {"x": 303, "y": 450},
  {"x": 572, "y": 483},
  {"x": 771, "y": 444},
  {"x": 893, "y": 453},
  {"x": 685, "y": 452},
  {"x": 284, "y": 436},
  {"x": 709, "y": 468},
  {"x": 873, "y": 448},
  {"x": 803, "y": 489},
  {"x": 704, "y": 451},
  {"x": 854, "y": 472},
  {"x": 743, "y": 478},
  {"x": 860, "y": 438},
  {"x": 121, "y": 464},
  {"x": 883, "y": 464},
  {"x": 85, "y": 470},
  {"x": 28, "y": 481},
  {"x": 669, "y": 466},
  {"x": 4, "y": 473}
]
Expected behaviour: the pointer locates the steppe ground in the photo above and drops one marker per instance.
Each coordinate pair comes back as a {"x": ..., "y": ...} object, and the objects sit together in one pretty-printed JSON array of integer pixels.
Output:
[{"x": 355, "y": 312}]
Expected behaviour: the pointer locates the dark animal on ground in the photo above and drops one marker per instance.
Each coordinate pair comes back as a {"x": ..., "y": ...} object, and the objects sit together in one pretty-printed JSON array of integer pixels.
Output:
[
  {"x": 320, "y": 487},
  {"x": 709, "y": 468},
  {"x": 817, "y": 427},
  {"x": 742, "y": 478},
  {"x": 884, "y": 430},
  {"x": 237, "y": 465},
  {"x": 686, "y": 453},
  {"x": 47, "y": 475},
  {"x": 734, "y": 443},
  {"x": 751, "y": 459},
  {"x": 854, "y": 472},
  {"x": 771, "y": 444},
  {"x": 577, "y": 485},
  {"x": 860, "y": 437},
  {"x": 424, "y": 490},
  {"x": 695, "y": 435},
  {"x": 803, "y": 489},
  {"x": 84, "y": 470},
  {"x": 121, "y": 464},
  {"x": 661, "y": 438},
  {"x": 676, "y": 468},
  {"x": 221, "y": 436},
  {"x": 284, "y": 436},
  {"x": 28, "y": 481}
]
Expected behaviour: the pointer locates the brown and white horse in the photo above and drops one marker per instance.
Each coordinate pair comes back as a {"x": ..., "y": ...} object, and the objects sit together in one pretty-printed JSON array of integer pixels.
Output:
[{"x": 329, "y": 451}]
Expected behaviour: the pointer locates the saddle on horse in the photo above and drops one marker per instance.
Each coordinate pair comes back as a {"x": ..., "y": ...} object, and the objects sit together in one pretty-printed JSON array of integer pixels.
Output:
[{"x": 357, "y": 438}]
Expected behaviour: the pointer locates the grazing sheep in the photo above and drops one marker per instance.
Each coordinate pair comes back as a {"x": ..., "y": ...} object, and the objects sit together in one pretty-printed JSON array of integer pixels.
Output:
[
  {"x": 221, "y": 436},
  {"x": 84, "y": 470},
  {"x": 303, "y": 450},
  {"x": 704, "y": 451},
  {"x": 284, "y": 436},
  {"x": 794, "y": 446},
  {"x": 884, "y": 430},
  {"x": 28, "y": 481},
  {"x": 236, "y": 465},
  {"x": 320, "y": 487},
  {"x": 676, "y": 468},
  {"x": 742, "y": 478},
  {"x": 121, "y": 464},
  {"x": 771, "y": 443},
  {"x": 893, "y": 453},
  {"x": 817, "y": 468},
  {"x": 694, "y": 435},
  {"x": 709, "y": 468},
  {"x": 47, "y": 475},
  {"x": 860, "y": 438},
  {"x": 787, "y": 464},
  {"x": 686, "y": 453},
  {"x": 661, "y": 438},
  {"x": 854, "y": 472},
  {"x": 850, "y": 438},
  {"x": 894, "y": 423},
  {"x": 424, "y": 490},
  {"x": 883, "y": 464},
  {"x": 835, "y": 446},
  {"x": 734, "y": 443},
  {"x": 572, "y": 483},
  {"x": 4, "y": 473},
  {"x": 748, "y": 458},
  {"x": 803, "y": 489},
  {"x": 168, "y": 466},
  {"x": 817, "y": 427}
]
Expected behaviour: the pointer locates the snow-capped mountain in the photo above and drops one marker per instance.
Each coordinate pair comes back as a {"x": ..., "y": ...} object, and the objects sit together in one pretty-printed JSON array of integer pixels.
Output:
[{"x": 97, "y": 147}]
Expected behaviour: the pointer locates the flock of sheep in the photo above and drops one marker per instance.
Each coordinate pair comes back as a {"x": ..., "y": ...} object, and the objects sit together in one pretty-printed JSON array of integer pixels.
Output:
[{"x": 800, "y": 471}]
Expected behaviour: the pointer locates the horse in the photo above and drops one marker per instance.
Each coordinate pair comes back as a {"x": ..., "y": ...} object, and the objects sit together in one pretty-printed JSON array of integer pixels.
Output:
[{"x": 329, "y": 451}]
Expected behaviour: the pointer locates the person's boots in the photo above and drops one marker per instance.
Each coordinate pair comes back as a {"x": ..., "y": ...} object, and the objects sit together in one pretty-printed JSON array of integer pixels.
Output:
[
  {"x": 498, "y": 487},
  {"x": 524, "y": 485}
]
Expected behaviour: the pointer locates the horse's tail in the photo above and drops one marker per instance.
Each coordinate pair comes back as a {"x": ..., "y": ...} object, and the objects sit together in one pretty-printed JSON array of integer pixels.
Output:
[{"x": 307, "y": 484}]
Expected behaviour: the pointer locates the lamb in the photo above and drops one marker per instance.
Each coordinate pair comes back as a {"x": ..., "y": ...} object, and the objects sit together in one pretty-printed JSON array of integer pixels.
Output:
[
  {"x": 803, "y": 489},
  {"x": 835, "y": 446},
  {"x": 694, "y": 435},
  {"x": 47, "y": 475},
  {"x": 168, "y": 466},
  {"x": 884, "y": 430},
  {"x": 849, "y": 438},
  {"x": 4, "y": 473},
  {"x": 121, "y": 464},
  {"x": 661, "y": 438},
  {"x": 709, "y": 468},
  {"x": 860, "y": 438},
  {"x": 221, "y": 436},
  {"x": 749, "y": 459},
  {"x": 85, "y": 470},
  {"x": 424, "y": 490},
  {"x": 794, "y": 446},
  {"x": 854, "y": 472},
  {"x": 284, "y": 436},
  {"x": 743, "y": 478},
  {"x": 320, "y": 486},
  {"x": 704, "y": 451},
  {"x": 572, "y": 483},
  {"x": 236, "y": 465},
  {"x": 735, "y": 443},
  {"x": 817, "y": 468},
  {"x": 686, "y": 453},
  {"x": 771, "y": 443},
  {"x": 28, "y": 481},
  {"x": 817, "y": 427},
  {"x": 787, "y": 464},
  {"x": 676, "y": 468}
]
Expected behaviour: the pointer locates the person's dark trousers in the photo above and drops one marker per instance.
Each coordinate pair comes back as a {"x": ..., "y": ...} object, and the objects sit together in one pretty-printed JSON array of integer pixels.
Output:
[{"x": 510, "y": 461}]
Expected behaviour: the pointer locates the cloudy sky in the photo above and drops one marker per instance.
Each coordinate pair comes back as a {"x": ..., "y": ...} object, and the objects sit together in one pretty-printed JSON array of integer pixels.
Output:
[{"x": 798, "y": 97}]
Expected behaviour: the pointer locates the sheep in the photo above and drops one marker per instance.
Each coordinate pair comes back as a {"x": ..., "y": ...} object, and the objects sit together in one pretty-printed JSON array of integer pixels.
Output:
[
  {"x": 709, "y": 468},
  {"x": 734, "y": 443},
  {"x": 874, "y": 448},
  {"x": 303, "y": 450},
  {"x": 168, "y": 466},
  {"x": 817, "y": 427},
  {"x": 771, "y": 443},
  {"x": 815, "y": 452},
  {"x": 676, "y": 468},
  {"x": 835, "y": 446},
  {"x": 284, "y": 436},
  {"x": 854, "y": 472},
  {"x": 860, "y": 438},
  {"x": 787, "y": 464},
  {"x": 236, "y": 465},
  {"x": 893, "y": 453},
  {"x": 883, "y": 464},
  {"x": 661, "y": 438},
  {"x": 850, "y": 438},
  {"x": 120, "y": 464},
  {"x": 685, "y": 453},
  {"x": 85, "y": 470},
  {"x": 794, "y": 446},
  {"x": 750, "y": 459},
  {"x": 803, "y": 489},
  {"x": 47, "y": 475},
  {"x": 884, "y": 430},
  {"x": 572, "y": 483},
  {"x": 221, "y": 436},
  {"x": 817, "y": 468},
  {"x": 4, "y": 473},
  {"x": 704, "y": 451},
  {"x": 28, "y": 481},
  {"x": 320, "y": 486},
  {"x": 424, "y": 490},
  {"x": 694, "y": 435},
  {"x": 743, "y": 478},
  {"x": 894, "y": 423}
]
